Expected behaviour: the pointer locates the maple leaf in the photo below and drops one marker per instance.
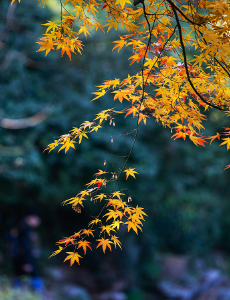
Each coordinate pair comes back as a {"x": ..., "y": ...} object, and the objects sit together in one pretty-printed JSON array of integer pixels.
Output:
[
  {"x": 136, "y": 219},
  {"x": 57, "y": 251},
  {"x": 107, "y": 229},
  {"x": 95, "y": 221},
  {"x": 104, "y": 243},
  {"x": 84, "y": 244},
  {"x": 117, "y": 194},
  {"x": 96, "y": 181},
  {"x": 87, "y": 124},
  {"x": 227, "y": 142},
  {"x": 67, "y": 144},
  {"x": 128, "y": 209},
  {"x": 81, "y": 135},
  {"x": 116, "y": 241},
  {"x": 116, "y": 224},
  {"x": 114, "y": 214},
  {"x": 95, "y": 128},
  {"x": 87, "y": 232},
  {"x": 133, "y": 225},
  {"x": 67, "y": 240},
  {"x": 85, "y": 30},
  {"x": 77, "y": 44},
  {"x": 142, "y": 117},
  {"x": 51, "y": 26},
  {"x": 131, "y": 172},
  {"x": 83, "y": 193},
  {"x": 122, "y": 2},
  {"x": 66, "y": 46},
  {"x": 120, "y": 44},
  {"x": 102, "y": 116},
  {"x": 47, "y": 44},
  {"x": 133, "y": 110},
  {"x": 120, "y": 94},
  {"x": 100, "y": 94},
  {"x": 214, "y": 137},
  {"x": 52, "y": 146},
  {"x": 116, "y": 203},
  {"x": 73, "y": 256},
  {"x": 139, "y": 211},
  {"x": 180, "y": 134},
  {"x": 77, "y": 234},
  {"x": 111, "y": 23},
  {"x": 197, "y": 140},
  {"x": 75, "y": 201},
  {"x": 100, "y": 172},
  {"x": 100, "y": 197}
]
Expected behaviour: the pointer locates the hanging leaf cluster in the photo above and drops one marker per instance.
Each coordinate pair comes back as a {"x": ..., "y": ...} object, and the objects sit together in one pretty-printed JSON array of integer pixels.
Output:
[{"x": 183, "y": 50}]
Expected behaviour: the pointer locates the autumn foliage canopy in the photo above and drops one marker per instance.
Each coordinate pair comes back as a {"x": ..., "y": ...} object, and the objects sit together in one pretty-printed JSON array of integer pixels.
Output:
[{"x": 183, "y": 49}]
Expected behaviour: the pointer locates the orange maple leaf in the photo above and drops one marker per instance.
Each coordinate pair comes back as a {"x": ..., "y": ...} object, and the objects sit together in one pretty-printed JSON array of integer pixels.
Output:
[
  {"x": 180, "y": 134},
  {"x": 104, "y": 243},
  {"x": 133, "y": 110},
  {"x": 88, "y": 232},
  {"x": 214, "y": 137},
  {"x": 120, "y": 94},
  {"x": 66, "y": 241},
  {"x": 84, "y": 244}
]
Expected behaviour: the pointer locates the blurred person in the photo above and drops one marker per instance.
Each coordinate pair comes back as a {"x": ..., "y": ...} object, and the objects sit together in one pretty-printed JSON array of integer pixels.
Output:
[{"x": 24, "y": 249}]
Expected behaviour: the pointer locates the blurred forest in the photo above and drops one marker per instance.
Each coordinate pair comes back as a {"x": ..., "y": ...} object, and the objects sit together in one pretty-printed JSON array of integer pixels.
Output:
[{"x": 183, "y": 188}]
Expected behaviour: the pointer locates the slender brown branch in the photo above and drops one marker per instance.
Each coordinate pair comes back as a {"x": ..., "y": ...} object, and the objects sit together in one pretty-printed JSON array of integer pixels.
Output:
[
  {"x": 186, "y": 64},
  {"x": 181, "y": 12}
]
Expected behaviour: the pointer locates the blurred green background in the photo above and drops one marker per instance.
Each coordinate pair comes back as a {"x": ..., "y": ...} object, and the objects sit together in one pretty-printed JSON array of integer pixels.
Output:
[{"x": 183, "y": 188}]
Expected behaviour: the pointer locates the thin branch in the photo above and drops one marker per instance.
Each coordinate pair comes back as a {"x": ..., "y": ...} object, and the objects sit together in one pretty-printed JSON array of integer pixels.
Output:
[
  {"x": 181, "y": 12},
  {"x": 186, "y": 64}
]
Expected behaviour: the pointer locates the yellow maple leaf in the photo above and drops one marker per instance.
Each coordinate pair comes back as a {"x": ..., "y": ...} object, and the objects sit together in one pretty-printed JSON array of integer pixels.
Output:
[
  {"x": 73, "y": 256},
  {"x": 131, "y": 172},
  {"x": 57, "y": 251},
  {"x": 116, "y": 224},
  {"x": 51, "y": 26},
  {"x": 227, "y": 142},
  {"x": 120, "y": 94},
  {"x": 139, "y": 212},
  {"x": 116, "y": 241},
  {"x": 107, "y": 229},
  {"x": 122, "y": 2},
  {"x": 117, "y": 194},
  {"x": 47, "y": 44},
  {"x": 111, "y": 23},
  {"x": 114, "y": 214},
  {"x": 95, "y": 221},
  {"x": 120, "y": 44},
  {"x": 104, "y": 243},
  {"x": 133, "y": 225},
  {"x": 85, "y": 30},
  {"x": 100, "y": 197}
]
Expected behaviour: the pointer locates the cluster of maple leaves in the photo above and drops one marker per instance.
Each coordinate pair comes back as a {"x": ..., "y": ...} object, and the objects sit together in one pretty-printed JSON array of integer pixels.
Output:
[{"x": 173, "y": 86}]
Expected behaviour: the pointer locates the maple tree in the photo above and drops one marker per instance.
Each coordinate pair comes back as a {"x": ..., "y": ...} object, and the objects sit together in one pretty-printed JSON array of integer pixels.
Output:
[{"x": 175, "y": 86}]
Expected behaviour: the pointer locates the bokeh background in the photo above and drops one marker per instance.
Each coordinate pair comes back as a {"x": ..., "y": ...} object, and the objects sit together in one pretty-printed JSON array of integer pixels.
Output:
[{"x": 183, "y": 188}]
